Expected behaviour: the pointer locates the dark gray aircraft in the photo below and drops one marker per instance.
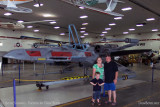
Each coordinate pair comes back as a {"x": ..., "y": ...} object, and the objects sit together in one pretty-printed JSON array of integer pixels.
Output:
[
  {"x": 76, "y": 52},
  {"x": 83, "y": 53}
]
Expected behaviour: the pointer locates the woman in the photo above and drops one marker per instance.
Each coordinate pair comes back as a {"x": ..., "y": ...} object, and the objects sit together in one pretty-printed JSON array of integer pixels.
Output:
[{"x": 98, "y": 67}]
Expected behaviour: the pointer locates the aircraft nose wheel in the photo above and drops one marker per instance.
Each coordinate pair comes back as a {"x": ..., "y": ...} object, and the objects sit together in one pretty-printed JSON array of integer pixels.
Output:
[
  {"x": 47, "y": 87},
  {"x": 125, "y": 77}
]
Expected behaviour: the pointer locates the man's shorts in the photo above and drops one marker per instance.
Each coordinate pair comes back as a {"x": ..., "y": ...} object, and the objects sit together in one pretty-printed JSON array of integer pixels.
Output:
[
  {"x": 109, "y": 86},
  {"x": 96, "y": 94}
]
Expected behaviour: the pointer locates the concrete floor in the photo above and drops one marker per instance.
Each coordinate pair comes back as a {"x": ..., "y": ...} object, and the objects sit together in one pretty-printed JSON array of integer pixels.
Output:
[
  {"x": 131, "y": 90},
  {"x": 139, "y": 95}
]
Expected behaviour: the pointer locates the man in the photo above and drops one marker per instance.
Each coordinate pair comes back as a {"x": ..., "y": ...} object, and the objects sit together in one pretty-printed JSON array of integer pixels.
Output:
[{"x": 111, "y": 76}]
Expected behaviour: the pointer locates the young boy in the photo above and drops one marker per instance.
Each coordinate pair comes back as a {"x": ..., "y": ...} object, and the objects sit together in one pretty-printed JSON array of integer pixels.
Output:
[{"x": 97, "y": 83}]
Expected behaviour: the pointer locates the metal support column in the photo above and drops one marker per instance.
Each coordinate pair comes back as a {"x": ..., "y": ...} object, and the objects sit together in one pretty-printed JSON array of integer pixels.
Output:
[{"x": 19, "y": 73}]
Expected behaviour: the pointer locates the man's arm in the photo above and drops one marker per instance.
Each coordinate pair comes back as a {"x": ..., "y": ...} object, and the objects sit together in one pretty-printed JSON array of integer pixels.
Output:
[{"x": 116, "y": 77}]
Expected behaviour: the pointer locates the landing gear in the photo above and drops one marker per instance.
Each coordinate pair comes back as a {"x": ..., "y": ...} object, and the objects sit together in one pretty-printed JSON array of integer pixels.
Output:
[
  {"x": 47, "y": 87},
  {"x": 40, "y": 85},
  {"x": 125, "y": 77},
  {"x": 85, "y": 71}
]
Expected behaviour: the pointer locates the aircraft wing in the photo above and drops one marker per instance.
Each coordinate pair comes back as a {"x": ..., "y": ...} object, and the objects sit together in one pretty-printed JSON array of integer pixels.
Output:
[
  {"x": 100, "y": 10},
  {"x": 5, "y": 2},
  {"x": 94, "y": 9},
  {"x": 47, "y": 40},
  {"x": 126, "y": 52},
  {"x": 6, "y": 23},
  {"x": 55, "y": 41},
  {"x": 31, "y": 22}
]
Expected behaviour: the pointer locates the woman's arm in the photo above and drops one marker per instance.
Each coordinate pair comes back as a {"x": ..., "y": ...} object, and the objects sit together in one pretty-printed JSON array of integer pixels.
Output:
[{"x": 93, "y": 73}]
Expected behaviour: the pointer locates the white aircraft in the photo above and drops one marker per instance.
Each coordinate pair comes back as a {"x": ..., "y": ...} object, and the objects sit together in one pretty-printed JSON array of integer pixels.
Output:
[
  {"x": 19, "y": 25},
  {"x": 11, "y": 6},
  {"x": 111, "y": 5}
]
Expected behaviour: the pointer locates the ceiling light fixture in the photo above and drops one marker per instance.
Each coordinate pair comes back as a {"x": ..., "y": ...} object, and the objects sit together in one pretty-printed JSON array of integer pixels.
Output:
[
  {"x": 81, "y": 7},
  {"x": 48, "y": 15},
  {"x": 82, "y": 31},
  {"x": 62, "y": 34},
  {"x": 139, "y": 25},
  {"x": 112, "y": 24},
  {"x": 83, "y": 28},
  {"x": 154, "y": 30},
  {"x": 104, "y": 32},
  {"x": 107, "y": 28},
  {"x": 36, "y": 30},
  {"x": 85, "y": 34},
  {"x": 20, "y": 21},
  {"x": 125, "y": 32},
  {"x": 82, "y": 36},
  {"x": 7, "y": 14},
  {"x": 84, "y": 23},
  {"x": 132, "y": 29},
  {"x": 57, "y": 27},
  {"x": 83, "y": 17},
  {"x": 101, "y": 34},
  {"x": 38, "y": 5},
  {"x": 53, "y": 22},
  {"x": 29, "y": 27},
  {"x": 150, "y": 19},
  {"x": 126, "y": 9},
  {"x": 117, "y": 18}
]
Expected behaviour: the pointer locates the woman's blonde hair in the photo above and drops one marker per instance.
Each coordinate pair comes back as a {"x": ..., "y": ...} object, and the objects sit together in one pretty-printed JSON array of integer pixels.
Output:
[{"x": 98, "y": 57}]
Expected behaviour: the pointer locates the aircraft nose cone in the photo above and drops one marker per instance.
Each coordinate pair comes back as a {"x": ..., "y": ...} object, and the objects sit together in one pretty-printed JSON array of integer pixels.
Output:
[{"x": 15, "y": 54}]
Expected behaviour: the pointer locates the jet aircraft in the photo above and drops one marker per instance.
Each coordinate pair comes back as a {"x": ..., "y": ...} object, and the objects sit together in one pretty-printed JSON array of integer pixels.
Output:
[
  {"x": 11, "y": 6},
  {"x": 75, "y": 51},
  {"x": 88, "y": 4},
  {"x": 19, "y": 25}
]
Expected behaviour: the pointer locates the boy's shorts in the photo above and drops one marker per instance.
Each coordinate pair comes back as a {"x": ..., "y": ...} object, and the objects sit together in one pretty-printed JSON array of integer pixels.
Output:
[
  {"x": 109, "y": 86},
  {"x": 96, "y": 94}
]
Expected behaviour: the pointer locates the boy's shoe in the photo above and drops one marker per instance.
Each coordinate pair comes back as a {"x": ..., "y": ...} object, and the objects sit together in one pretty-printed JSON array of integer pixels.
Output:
[
  {"x": 108, "y": 102},
  {"x": 98, "y": 103},
  {"x": 114, "y": 104},
  {"x": 93, "y": 103}
]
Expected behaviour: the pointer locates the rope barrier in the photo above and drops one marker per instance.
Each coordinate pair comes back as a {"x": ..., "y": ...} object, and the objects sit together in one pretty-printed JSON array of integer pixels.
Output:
[
  {"x": 6, "y": 81},
  {"x": 34, "y": 80},
  {"x": 65, "y": 78}
]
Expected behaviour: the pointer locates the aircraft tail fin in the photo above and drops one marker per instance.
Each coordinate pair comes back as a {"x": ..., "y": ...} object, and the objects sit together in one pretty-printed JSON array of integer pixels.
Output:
[
  {"x": 11, "y": 4},
  {"x": 111, "y": 5},
  {"x": 74, "y": 39},
  {"x": 73, "y": 35}
]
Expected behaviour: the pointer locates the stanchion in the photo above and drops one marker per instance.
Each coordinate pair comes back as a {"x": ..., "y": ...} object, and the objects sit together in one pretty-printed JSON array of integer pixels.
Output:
[
  {"x": 19, "y": 73},
  {"x": 23, "y": 65},
  {"x": 2, "y": 69},
  {"x": 14, "y": 92},
  {"x": 153, "y": 67}
]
